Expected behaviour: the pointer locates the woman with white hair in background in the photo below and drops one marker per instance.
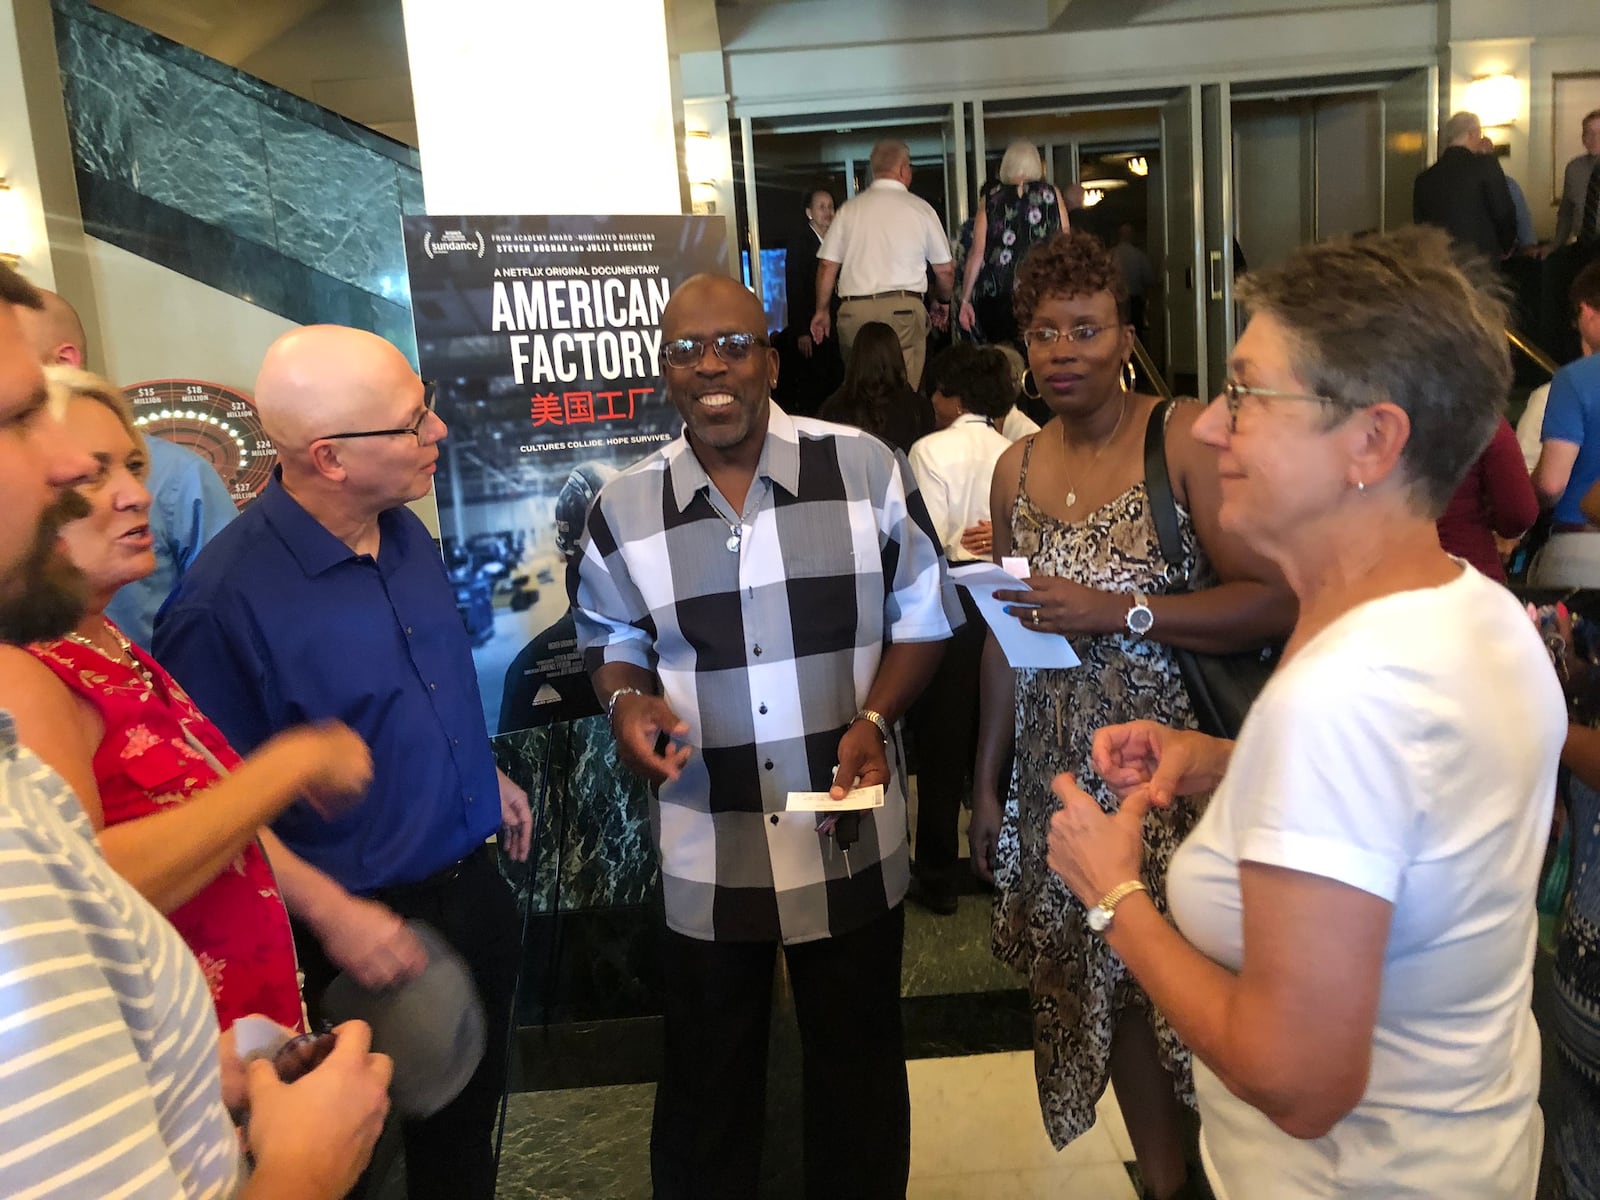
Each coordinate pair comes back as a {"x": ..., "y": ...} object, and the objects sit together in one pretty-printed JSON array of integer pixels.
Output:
[{"x": 1025, "y": 210}]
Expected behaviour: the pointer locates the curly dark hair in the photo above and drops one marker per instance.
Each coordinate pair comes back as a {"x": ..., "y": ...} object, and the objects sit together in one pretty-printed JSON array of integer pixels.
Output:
[
  {"x": 1070, "y": 264},
  {"x": 978, "y": 376}
]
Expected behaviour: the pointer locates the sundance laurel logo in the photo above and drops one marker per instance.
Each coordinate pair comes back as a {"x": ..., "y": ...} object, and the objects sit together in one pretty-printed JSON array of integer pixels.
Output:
[{"x": 452, "y": 241}]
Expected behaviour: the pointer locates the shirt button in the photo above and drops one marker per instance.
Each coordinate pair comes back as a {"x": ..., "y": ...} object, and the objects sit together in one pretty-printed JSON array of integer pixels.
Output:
[
  {"x": 768, "y": 764},
  {"x": 762, "y": 710},
  {"x": 774, "y": 818},
  {"x": 758, "y": 651},
  {"x": 408, "y": 631},
  {"x": 455, "y": 741},
  {"x": 433, "y": 687}
]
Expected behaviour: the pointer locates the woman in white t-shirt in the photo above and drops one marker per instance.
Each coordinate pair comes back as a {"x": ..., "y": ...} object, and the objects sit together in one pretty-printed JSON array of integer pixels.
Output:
[{"x": 1355, "y": 917}]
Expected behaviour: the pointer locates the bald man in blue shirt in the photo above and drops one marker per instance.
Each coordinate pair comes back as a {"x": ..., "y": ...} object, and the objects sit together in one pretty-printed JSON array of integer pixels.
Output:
[{"x": 327, "y": 599}]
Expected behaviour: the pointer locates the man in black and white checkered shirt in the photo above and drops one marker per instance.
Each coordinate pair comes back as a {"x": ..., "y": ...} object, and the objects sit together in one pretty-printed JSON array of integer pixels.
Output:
[{"x": 758, "y": 603}]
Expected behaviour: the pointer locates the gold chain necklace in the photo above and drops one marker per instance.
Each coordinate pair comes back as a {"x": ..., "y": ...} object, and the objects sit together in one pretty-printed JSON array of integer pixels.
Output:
[
  {"x": 125, "y": 656},
  {"x": 1072, "y": 491}
]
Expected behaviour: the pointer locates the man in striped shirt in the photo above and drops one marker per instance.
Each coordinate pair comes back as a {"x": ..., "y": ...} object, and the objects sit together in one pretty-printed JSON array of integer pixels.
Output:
[
  {"x": 768, "y": 591},
  {"x": 110, "y": 1073}
]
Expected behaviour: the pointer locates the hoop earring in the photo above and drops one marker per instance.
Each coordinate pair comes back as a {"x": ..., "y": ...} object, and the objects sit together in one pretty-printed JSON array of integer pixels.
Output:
[
  {"x": 1030, "y": 387},
  {"x": 1128, "y": 378}
]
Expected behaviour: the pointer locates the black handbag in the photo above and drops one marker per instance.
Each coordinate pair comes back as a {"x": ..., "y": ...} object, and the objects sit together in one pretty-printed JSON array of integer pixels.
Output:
[{"x": 1221, "y": 687}]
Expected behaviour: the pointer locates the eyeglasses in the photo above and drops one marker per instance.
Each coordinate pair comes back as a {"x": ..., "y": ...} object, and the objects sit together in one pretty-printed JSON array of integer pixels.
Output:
[
  {"x": 730, "y": 347},
  {"x": 1233, "y": 395},
  {"x": 430, "y": 393},
  {"x": 1077, "y": 334}
]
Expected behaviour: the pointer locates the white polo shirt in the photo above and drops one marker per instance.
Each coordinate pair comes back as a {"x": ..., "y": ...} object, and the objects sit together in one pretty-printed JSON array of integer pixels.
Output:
[{"x": 884, "y": 240}]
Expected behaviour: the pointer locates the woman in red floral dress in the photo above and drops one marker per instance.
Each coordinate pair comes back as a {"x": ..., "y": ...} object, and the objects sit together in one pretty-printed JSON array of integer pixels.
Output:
[{"x": 180, "y": 815}]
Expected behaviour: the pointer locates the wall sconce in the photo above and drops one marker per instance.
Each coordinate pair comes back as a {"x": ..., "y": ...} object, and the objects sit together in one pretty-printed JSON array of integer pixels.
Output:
[
  {"x": 10, "y": 226},
  {"x": 1092, "y": 196},
  {"x": 1139, "y": 165},
  {"x": 1497, "y": 99},
  {"x": 700, "y": 158}
]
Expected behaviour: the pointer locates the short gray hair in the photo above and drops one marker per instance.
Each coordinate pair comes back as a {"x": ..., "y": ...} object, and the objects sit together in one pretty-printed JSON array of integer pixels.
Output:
[
  {"x": 1021, "y": 163},
  {"x": 888, "y": 156},
  {"x": 1395, "y": 318},
  {"x": 1459, "y": 126}
]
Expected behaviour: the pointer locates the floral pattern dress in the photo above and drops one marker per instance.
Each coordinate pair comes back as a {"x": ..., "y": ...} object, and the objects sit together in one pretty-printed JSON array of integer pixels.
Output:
[
  {"x": 1078, "y": 987},
  {"x": 160, "y": 750}
]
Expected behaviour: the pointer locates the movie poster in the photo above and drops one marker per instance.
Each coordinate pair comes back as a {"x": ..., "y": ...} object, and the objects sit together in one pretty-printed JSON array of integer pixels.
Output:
[{"x": 543, "y": 338}]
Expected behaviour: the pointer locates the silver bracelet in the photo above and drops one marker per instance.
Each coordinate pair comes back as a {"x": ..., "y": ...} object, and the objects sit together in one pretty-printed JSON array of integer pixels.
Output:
[{"x": 611, "y": 704}]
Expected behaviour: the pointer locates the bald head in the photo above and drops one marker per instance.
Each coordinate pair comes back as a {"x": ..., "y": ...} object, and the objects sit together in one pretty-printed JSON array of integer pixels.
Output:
[
  {"x": 727, "y": 295},
  {"x": 327, "y": 379},
  {"x": 54, "y": 332}
]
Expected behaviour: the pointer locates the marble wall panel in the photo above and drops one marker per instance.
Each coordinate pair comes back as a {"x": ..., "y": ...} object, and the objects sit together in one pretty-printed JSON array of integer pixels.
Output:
[
  {"x": 198, "y": 148},
  {"x": 335, "y": 205},
  {"x": 595, "y": 846},
  {"x": 233, "y": 182},
  {"x": 81, "y": 13},
  {"x": 99, "y": 77}
]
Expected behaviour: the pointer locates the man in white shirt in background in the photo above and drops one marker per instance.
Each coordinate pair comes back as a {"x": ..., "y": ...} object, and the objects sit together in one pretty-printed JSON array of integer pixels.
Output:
[
  {"x": 972, "y": 392},
  {"x": 878, "y": 250}
]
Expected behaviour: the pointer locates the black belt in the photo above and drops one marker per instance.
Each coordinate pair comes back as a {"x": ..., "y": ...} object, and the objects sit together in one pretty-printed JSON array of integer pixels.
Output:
[
  {"x": 443, "y": 877},
  {"x": 883, "y": 295}
]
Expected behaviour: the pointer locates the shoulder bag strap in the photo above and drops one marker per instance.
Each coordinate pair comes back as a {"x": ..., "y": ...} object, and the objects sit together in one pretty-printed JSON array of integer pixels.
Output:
[{"x": 1158, "y": 484}]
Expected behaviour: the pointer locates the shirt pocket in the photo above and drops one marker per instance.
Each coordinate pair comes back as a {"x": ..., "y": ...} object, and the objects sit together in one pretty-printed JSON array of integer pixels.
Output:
[{"x": 161, "y": 766}]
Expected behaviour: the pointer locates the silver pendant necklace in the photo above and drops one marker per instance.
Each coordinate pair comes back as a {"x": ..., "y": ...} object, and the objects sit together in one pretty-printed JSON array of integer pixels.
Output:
[
  {"x": 735, "y": 528},
  {"x": 1072, "y": 491}
]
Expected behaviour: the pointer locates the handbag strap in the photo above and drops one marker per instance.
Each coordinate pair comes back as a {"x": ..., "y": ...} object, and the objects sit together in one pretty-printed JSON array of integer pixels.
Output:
[{"x": 1158, "y": 484}]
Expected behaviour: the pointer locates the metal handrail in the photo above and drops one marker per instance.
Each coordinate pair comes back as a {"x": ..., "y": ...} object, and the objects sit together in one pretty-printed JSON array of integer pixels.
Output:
[
  {"x": 1539, "y": 358},
  {"x": 1148, "y": 366}
]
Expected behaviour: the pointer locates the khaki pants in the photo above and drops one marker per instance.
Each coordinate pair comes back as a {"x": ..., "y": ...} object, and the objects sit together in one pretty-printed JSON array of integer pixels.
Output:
[{"x": 906, "y": 315}]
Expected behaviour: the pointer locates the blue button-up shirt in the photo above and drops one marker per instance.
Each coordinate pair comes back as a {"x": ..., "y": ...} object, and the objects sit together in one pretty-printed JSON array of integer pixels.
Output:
[{"x": 279, "y": 623}]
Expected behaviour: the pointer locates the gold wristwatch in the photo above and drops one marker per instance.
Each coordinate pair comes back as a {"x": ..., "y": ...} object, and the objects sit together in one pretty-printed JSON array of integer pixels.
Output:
[{"x": 1100, "y": 915}]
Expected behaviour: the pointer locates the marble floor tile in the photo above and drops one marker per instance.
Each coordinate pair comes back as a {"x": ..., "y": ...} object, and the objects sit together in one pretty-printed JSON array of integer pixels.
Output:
[
  {"x": 1109, "y": 1115},
  {"x": 951, "y": 954},
  {"x": 981, "y": 1113},
  {"x": 1100, "y": 1181},
  {"x": 975, "y": 1132}
]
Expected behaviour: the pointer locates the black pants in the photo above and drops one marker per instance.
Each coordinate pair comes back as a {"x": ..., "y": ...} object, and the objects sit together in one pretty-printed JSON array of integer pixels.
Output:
[
  {"x": 450, "y": 1155},
  {"x": 944, "y": 722},
  {"x": 705, "y": 1143}
]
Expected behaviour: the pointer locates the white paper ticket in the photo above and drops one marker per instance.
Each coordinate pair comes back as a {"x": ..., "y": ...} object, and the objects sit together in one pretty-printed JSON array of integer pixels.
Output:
[{"x": 856, "y": 798}]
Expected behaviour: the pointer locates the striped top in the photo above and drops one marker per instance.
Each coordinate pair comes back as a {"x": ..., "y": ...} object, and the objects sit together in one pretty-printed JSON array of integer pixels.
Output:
[{"x": 109, "y": 1081}]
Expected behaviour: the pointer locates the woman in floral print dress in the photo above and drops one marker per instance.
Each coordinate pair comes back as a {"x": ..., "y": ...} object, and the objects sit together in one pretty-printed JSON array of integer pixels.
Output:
[
  {"x": 1024, "y": 211},
  {"x": 176, "y": 810},
  {"x": 1072, "y": 499}
]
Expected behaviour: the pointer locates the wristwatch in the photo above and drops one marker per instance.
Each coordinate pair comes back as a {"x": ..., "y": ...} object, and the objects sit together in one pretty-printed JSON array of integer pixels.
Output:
[
  {"x": 867, "y": 714},
  {"x": 1100, "y": 915},
  {"x": 1140, "y": 619}
]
